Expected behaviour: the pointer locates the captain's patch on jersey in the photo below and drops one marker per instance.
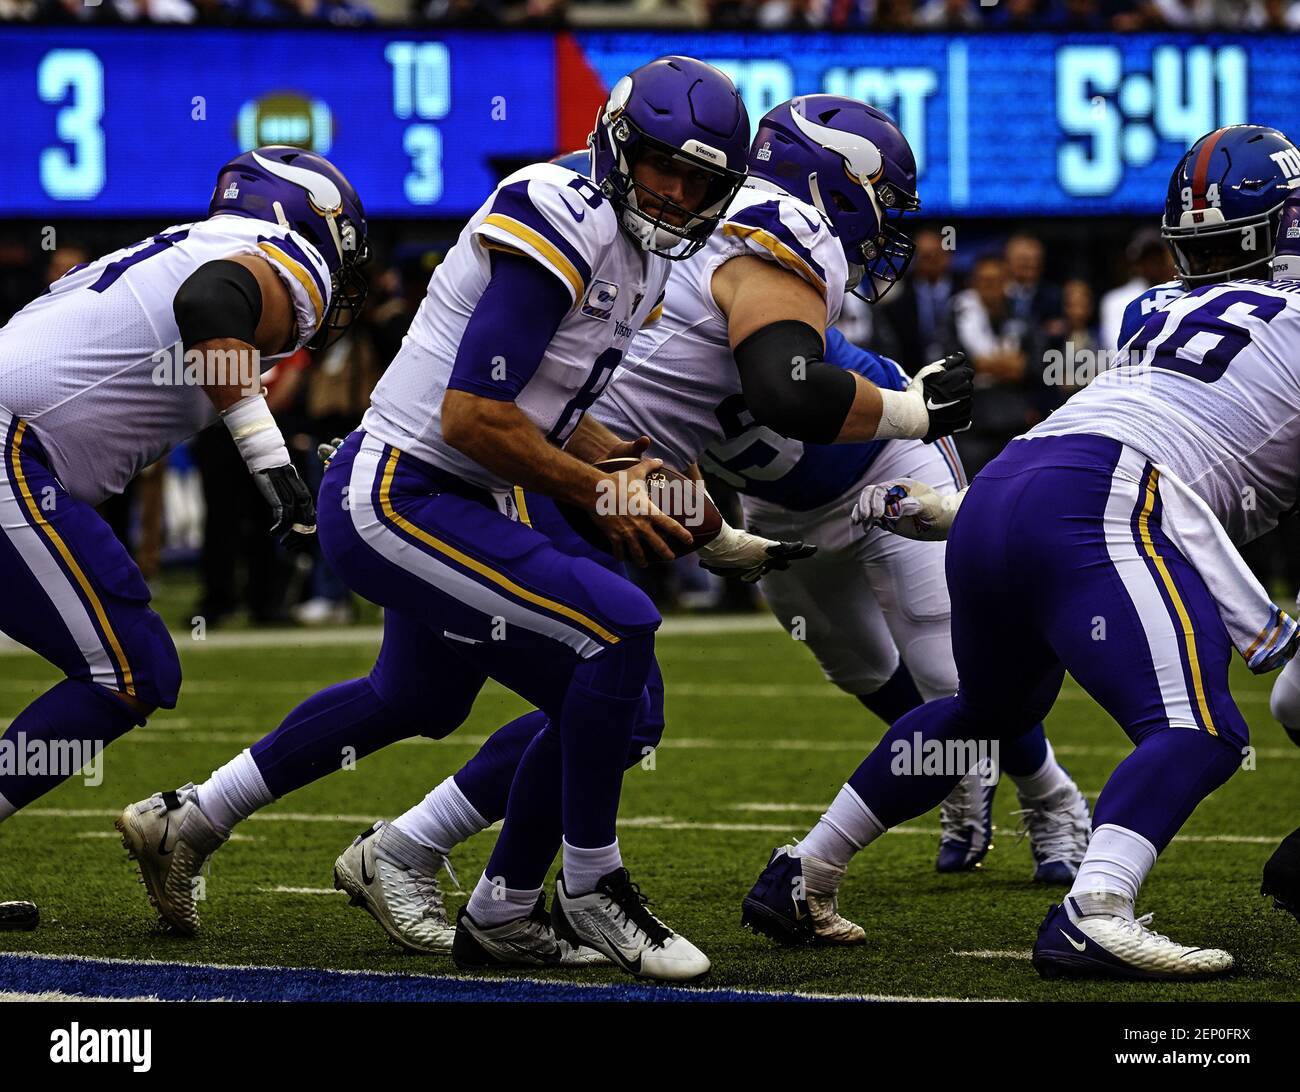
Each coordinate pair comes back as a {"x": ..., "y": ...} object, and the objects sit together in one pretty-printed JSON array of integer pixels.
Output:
[{"x": 599, "y": 303}]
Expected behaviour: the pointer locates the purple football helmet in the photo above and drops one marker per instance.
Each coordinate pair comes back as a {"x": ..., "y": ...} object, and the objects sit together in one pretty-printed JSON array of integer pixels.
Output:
[
  {"x": 690, "y": 112},
  {"x": 852, "y": 163},
  {"x": 1224, "y": 200},
  {"x": 304, "y": 191}
]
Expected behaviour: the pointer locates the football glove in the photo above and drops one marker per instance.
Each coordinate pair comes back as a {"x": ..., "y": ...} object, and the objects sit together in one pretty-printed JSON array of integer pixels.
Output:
[
  {"x": 948, "y": 386},
  {"x": 1282, "y": 875},
  {"x": 738, "y": 553},
  {"x": 291, "y": 504},
  {"x": 907, "y": 507},
  {"x": 325, "y": 452}
]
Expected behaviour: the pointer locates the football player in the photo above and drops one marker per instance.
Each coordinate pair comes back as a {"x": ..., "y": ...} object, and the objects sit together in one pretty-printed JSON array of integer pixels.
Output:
[
  {"x": 119, "y": 361},
  {"x": 1102, "y": 542},
  {"x": 524, "y": 324}
]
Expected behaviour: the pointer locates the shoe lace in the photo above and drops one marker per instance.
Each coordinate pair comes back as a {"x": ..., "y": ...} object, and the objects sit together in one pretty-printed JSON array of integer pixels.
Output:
[
  {"x": 631, "y": 904},
  {"x": 1054, "y": 833},
  {"x": 425, "y": 888},
  {"x": 1142, "y": 927},
  {"x": 955, "y": 811}
]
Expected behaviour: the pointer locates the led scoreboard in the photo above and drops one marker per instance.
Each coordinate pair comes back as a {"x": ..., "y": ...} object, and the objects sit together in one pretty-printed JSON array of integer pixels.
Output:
[{"x": 121, "y": 122}]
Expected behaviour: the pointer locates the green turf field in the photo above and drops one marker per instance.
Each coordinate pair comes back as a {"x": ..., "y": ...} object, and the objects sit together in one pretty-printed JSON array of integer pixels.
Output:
[{"x": 756, "y": 744}]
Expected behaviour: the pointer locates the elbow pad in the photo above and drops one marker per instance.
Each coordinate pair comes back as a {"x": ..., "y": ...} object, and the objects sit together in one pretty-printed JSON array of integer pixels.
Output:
[
  {"x": 789, "y": 387},
  {"x": 220, "y": 299}
]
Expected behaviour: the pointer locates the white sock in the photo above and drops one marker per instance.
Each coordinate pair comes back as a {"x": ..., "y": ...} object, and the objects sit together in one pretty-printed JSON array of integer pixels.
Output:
[
  {"x": 584, "y": 867},
  {"x": 443, "y": 819},
  {"x": 847, "y": 827},
  {"x": 6, "y": 809},
  {"x": 1046, "y": 780},
  {"x": 233, "y": 793},
  {"x": 494, "y": 904},
  {"x": 1117, "y": 862}
]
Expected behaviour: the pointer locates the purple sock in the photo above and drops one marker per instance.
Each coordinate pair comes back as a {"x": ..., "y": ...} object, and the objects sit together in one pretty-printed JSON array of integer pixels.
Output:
[
  {"x": 343, "y": 722},
  {"x": 898, "y": 696},
  {"x": 1158, "y": 786},
  {"x": 890, "y": 782},
  {"x": 531, "y": 835},
  {"x": 1024, "y": 755},
  {"x": 70, "y": 712},
  {"x": 485, "y": 779}
]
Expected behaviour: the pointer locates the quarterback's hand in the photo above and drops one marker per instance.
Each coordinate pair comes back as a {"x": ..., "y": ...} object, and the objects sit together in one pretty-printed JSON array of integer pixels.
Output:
[
  {"x": 947, "y": 386},
  {"x": 907, "y": 507},
  {"x": 738, "y": 553},
  {"x": 637, "y": 530},
  {"x": 325, "y": 452},
  {"x": 628, "y": 449},
  {"x": 291, "y": 504}
]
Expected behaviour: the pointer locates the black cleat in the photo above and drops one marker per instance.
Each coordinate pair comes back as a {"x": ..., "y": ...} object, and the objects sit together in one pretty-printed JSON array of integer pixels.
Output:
[
  {"x": 19, "y": 916},
  {"x": 1282, "y": 875}
]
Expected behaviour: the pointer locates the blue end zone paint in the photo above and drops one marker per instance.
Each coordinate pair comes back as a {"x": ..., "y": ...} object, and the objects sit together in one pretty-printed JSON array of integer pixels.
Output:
[{"x": 200, "y": 982}]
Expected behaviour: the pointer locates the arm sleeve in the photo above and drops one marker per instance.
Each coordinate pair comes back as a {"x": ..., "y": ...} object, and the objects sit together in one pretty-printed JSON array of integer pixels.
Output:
[
  {"x": 789, "y": 387},
  {"x": 882, "y": 371},
  {"x": 220, "y": 299},
  {"x": 513, "y": 322}
]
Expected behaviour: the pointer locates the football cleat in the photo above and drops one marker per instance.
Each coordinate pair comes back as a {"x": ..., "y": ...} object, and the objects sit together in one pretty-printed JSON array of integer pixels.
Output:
[
  {"x": 966, "y": 823},
  {"x": 1282, "y": 875},
  {"x": 794, "y": 902},
  {"x": 171, "y": 840},
  {"x": 1058, "y": 827},
  {"x": 19, "y": 916},
  {"x": 614, "y": 919},
  {"x": 524, "y": 942},
  {"x": 1114, "y": 946},
  {"x": 395, "y": 880}
]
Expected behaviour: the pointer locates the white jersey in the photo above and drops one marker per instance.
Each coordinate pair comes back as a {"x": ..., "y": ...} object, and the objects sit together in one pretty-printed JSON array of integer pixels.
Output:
[
  {"x": 681, "y": 386},
  {"x": 81, "y": 363},
  {"x": 1214, "y": 395},
  {"x": 561, "y": 220}
]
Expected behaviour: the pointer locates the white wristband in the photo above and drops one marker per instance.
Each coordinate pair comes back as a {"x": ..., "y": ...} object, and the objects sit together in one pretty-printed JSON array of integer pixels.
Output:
[
  {"x": 903, "y": 415},
  {"x": 256, "y": 434}
]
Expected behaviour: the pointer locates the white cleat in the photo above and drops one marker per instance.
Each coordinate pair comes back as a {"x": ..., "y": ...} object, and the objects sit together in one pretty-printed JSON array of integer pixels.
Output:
[
  {"x": 1116, "y": 946},
  {"x": 1058, "y": 826},
  {"x": 613, "y": 919},
  {"x": 171, "y": 839},
  {"x": 395, "y": 879},
  {"x": 524, "y": 942}
]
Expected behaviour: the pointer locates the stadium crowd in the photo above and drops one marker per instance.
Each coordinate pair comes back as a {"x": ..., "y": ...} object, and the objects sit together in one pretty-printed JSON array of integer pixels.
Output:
[{"x": 883, "y": 15}]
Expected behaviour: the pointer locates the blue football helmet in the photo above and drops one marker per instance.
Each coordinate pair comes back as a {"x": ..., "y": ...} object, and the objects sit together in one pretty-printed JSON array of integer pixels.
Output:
[
  {"x": 851, "y": 162},
  {"x": 1224, "y": 201},
  {"x": 685, "y": 109},
  {"x": 307, "y": 193}
]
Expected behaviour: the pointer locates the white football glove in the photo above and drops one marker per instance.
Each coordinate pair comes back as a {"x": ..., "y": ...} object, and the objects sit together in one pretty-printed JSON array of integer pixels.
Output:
[
  {"x": 907, "y": 507},
  {"x": 738, "y": 553}
]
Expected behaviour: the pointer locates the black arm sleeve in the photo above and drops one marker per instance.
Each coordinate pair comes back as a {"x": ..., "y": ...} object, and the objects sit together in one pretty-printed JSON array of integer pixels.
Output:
[
  {"x": 220, "y": 299},
  {"x": 804, "y": 401}
]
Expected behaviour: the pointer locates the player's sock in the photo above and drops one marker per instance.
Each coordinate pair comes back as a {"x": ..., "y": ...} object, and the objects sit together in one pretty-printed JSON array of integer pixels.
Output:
[
  {"x": 583, "y": 868},
  {"x": 233, "y": 793},
  {"x": 899, "y": 695},
  {"x": 1116, "y": 864},
  {"x": 595, "y": 726},
  {"x": 495, "y": 904},
  {"x": 892, "y": 781},
  {"x": 1043, "y": 781},
  {"x": 443, "y": 819},
  {"x": 6, "y": 809},
  {"x": 485, "y": 779},
  {"x": 72, "y": 712},
  {"x": 329, "y": 730},
  {"x": 846, "y": 827},
  {"x": 1024, "y": 755}
]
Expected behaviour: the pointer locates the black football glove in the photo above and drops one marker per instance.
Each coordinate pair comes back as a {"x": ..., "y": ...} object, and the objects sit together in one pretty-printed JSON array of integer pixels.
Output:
[
  {"x": 948, "y": 397},
  {"x": 1282, "y": 875},
  {"x": 291, "y": 504}
]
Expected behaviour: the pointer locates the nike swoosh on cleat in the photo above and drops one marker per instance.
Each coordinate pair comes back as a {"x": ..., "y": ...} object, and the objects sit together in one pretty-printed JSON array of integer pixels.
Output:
[
  {"x": 1079, "y": 946},
  {"x": 617, "y": 952},
  {"x": 366, "y": 877},
  {"x": 163, "y": 851}
]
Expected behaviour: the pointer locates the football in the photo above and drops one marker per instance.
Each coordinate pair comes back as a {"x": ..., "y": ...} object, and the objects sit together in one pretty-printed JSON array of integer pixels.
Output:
[{"x": 671, "y": 491}]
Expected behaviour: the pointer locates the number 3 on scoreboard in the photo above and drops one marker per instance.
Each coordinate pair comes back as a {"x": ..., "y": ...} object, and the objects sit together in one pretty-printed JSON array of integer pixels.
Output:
[{"x": 77, "y": 175}]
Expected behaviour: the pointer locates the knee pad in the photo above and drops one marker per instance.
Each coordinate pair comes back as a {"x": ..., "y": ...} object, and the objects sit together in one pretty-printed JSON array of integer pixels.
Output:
[{"x": 155, "y": 666}]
